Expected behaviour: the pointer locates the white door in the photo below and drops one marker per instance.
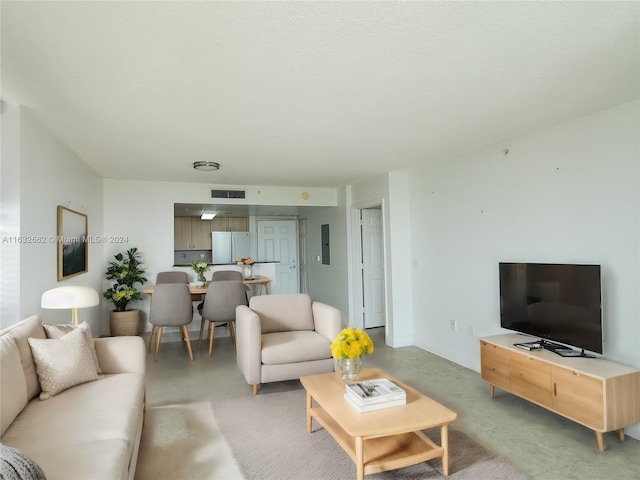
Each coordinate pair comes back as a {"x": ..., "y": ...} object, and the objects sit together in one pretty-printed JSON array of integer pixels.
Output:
[
  {"x": 277, "y": 242},
  {"x": 302, "y": 256},
  {"x": 372, "y": 267}
]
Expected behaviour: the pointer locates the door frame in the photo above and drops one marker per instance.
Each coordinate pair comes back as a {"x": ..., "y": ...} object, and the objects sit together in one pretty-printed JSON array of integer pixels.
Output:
[
  {"x": 356, "y": 308},
  {"x": 303, "y": 264},
  {"x": 367, "y": 266}
]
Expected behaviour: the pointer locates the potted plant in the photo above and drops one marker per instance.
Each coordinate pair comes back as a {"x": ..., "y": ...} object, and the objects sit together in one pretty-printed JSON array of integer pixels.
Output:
[
  {"x": 200, "y": 266},
  {"x": 126, "y": 270}
]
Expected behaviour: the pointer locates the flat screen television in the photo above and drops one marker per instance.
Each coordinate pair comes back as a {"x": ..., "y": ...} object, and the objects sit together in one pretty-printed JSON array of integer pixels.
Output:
[{"x": 555, "y": 302}]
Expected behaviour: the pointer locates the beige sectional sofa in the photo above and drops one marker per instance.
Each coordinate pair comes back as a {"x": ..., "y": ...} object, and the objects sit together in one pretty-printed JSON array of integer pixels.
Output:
[{"x": 88, "y": 431}]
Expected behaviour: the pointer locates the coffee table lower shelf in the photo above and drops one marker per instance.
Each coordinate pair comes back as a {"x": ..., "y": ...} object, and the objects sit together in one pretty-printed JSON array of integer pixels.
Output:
[{"x": 380, "y": 454}]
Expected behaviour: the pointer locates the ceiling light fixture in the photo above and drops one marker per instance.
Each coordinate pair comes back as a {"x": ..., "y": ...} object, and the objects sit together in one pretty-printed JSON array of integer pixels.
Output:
[
  {"x": 206, "y": 166},
  {"x": 208, "y": 214}
]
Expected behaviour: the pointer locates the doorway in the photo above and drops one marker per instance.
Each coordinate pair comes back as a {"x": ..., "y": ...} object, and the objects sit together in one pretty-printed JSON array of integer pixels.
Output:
[
  {"x": 277, "y": 242},
  {"x": 373, "y": 271}
]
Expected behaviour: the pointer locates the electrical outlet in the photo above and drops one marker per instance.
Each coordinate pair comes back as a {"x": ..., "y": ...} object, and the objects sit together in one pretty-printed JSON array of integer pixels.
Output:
[{"x": 453, "y": 325}]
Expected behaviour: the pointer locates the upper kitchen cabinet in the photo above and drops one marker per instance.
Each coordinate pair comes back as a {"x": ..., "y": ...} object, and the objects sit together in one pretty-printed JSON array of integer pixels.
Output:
[
  {"x": 191, "y": 233},
  {"x": 229, "y": 224}
]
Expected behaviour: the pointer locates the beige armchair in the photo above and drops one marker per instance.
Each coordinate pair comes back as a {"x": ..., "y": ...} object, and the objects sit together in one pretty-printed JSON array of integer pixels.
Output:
[{"x": 283, "y": 337}]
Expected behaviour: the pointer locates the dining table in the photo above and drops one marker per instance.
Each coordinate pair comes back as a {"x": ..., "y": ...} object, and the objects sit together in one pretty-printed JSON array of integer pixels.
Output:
[{"x": 197, "y": 291}]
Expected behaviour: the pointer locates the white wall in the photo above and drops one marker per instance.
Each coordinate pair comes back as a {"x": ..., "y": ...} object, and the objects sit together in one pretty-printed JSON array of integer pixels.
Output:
[
  {"x": 391, "y": 192},
  {"x": 328, "y": 283},
  {"x": 568, "y": 194},
  {"x": 10, "y": 215},
  {"x": 48, "y": 174}
]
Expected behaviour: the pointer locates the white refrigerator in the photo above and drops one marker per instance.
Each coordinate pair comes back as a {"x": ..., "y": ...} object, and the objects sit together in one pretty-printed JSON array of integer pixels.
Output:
[{"x": 226, "y": 247}]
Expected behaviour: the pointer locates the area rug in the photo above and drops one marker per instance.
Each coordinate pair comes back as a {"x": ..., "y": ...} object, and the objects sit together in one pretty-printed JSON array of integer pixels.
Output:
[
  {"x": 182, "y": 441},
  {"x": 268, "y": 436}
]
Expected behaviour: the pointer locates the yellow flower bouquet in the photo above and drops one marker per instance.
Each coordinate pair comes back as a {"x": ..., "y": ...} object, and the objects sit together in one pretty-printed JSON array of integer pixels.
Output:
[
  {"x": 351, "y": 343},
  {"x": 348, "y": 348}
]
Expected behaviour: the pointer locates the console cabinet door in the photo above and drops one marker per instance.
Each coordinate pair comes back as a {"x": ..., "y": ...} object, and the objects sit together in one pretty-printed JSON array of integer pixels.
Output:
[
  {"x": 494, "y": 363},
  {"x": 530, "y": 378},
  {"x": 579, "y": 397}
]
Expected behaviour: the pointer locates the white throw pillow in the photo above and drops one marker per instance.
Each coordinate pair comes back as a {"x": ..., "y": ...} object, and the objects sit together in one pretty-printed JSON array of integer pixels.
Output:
[
  {"x": 57, "y": 330},
  {"x": 63, "y": 363}
]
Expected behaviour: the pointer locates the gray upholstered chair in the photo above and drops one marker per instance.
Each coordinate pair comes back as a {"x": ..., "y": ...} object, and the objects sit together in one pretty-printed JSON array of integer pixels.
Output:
[
  {"x": 172, "y": 277},
  {"x": 283, "y": 337},
  {"x": 171, "y": 307},
  {"x": 222, "y": 275},
  {"x": 220, "y": 304}
]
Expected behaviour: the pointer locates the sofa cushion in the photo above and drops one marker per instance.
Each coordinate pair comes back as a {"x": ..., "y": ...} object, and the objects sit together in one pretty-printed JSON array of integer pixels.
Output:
[
  {"x": 57, "y": 330},
  {"x": 13, "y": 385},
  {"x": 86, "y": 432},
  {"x": 28, "y": 328},
  {"x": 293, "y": 347},
  {"x": 280, "y": 313},
  {"x": 64, "y": 362}
]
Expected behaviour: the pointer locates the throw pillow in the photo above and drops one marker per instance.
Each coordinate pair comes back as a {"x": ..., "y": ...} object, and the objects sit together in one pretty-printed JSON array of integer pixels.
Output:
[
  {"x": 57, "y": 330},
  {"x": 63, "y": 363},
  {"x": 15, "y": 465}
]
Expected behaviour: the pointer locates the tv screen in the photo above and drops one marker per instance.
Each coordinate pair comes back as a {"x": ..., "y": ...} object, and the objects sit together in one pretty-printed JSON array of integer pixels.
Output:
[{"x": 556, "y": 302}]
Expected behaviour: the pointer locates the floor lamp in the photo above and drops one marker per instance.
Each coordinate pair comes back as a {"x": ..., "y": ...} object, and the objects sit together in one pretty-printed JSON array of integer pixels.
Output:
[{"x": 72, "y": 297}]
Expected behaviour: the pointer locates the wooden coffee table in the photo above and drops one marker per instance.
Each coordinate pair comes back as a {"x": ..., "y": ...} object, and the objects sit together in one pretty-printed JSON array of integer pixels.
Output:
[{"x": 384, "y": 439}]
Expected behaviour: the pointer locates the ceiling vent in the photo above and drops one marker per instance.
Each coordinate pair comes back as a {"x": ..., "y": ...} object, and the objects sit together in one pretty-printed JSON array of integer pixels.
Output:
[{"x": 228, "y": 193}]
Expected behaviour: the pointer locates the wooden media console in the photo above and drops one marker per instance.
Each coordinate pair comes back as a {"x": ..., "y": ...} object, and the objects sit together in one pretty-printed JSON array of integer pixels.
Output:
[{"x": 597, "y": 393}]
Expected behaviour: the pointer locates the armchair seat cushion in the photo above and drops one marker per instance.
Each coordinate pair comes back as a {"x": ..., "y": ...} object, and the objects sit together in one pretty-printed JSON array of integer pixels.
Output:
[{"x": 294, "y": 346}]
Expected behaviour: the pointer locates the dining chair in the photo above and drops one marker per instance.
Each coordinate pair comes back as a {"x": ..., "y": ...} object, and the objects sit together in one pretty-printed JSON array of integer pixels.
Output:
[
  {"x": 171, "y": 307},
  {"x": 168, "y": 277},
  {"x": 220, "y": 304},
  {"x": 172, "y": 277},
  {"x": 222, "y": 275}
]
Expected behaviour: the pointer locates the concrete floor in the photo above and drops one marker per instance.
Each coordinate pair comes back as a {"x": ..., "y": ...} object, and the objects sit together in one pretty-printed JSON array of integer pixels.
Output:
[{"x": 542, "y": 444}]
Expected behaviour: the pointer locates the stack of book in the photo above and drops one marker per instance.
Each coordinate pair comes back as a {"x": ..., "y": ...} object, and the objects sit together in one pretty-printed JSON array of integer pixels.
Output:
[{"x": 377, "y": 394}]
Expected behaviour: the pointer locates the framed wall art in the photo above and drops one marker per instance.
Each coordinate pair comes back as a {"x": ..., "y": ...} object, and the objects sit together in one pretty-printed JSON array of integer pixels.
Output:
[{"x": 72, "y": 245}]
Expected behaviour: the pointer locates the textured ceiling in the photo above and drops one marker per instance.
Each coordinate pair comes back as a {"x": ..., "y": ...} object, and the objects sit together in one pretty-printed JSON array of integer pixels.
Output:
[{"x": 309, "y": 93}]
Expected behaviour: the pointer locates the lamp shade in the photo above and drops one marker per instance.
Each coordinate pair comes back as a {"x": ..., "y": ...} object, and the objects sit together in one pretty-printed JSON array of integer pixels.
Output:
[
  {"x": 70, "y": 297},
  {"x": 73, "y": 297}
]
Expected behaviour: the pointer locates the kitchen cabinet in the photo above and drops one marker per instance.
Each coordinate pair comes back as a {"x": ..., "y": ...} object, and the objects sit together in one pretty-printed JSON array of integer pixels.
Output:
[
  {"x": 597, "y": 393},
  {"x": 191, "y": 233},
  {"x": 229, "y": 224}
]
